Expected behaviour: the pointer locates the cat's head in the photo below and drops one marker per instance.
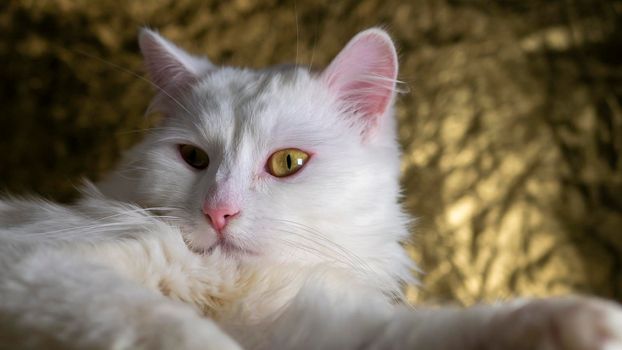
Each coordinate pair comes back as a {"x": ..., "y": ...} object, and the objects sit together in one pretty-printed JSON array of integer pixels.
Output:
[{"x": 279, "y": 163}]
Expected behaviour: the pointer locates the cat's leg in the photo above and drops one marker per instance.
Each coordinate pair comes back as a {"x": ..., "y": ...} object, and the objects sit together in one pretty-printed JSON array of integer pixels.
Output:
[
  {"x": 316, "y": 321},
  {"x": 55, "y": 300},
  {"x": 575, "y": 323}
]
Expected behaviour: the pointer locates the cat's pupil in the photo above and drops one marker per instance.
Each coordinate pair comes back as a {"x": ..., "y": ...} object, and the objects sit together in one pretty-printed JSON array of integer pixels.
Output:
[
  {"x": 194, "y": 157},
  {"x": 289, "y": 161}
]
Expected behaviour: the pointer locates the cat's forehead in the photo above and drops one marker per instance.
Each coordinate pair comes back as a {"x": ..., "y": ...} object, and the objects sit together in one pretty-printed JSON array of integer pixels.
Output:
[
  {"x": 230, "y": 104},
  {"x": 244, "y": 86}
]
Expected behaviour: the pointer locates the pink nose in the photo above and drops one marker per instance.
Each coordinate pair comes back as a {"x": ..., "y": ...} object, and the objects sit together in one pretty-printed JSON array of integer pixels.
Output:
[{"x": 220, "y": 216}]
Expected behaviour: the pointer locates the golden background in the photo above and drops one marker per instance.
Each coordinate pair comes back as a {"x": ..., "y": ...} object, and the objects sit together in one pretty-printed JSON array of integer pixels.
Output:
[{"x": 512, "y": 126}]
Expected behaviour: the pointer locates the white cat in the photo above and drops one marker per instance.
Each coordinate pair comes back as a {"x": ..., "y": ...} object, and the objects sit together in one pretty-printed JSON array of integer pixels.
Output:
[{"x": 262, "y": 214}]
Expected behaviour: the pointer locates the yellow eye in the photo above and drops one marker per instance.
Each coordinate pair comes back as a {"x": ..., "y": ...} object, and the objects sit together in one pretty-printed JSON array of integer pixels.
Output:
[
  {"x": 195, "y": 157},
  {"x": 286, "y": 162}
]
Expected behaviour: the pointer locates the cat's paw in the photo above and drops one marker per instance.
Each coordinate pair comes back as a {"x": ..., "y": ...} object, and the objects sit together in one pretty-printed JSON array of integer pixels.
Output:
[{"x": 560, "y": 324}]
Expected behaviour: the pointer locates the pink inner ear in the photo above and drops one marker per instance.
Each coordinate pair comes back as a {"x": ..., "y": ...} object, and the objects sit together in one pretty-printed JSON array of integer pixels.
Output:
[{"x": 364, "y": 73}]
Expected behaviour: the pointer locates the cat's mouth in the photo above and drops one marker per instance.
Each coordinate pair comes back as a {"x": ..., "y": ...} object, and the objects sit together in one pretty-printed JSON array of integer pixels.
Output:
[{"x": 222, "y": 245}]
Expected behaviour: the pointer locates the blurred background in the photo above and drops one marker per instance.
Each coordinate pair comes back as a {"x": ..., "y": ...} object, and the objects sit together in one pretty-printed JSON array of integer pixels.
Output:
[{"x": 511, "y": 129}]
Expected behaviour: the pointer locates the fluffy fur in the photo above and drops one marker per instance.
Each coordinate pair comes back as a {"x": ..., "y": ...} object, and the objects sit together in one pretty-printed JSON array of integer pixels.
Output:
[{"x": 312, "y": 261}]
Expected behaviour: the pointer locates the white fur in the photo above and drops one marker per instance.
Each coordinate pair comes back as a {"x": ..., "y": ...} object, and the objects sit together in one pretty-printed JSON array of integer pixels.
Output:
[{"x": 133, "y": 264}]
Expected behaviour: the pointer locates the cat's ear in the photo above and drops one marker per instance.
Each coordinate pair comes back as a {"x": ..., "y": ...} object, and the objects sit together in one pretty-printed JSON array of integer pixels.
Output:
[
  {"x": 168, "y": 65},
  {"x": 363, "y": 75}
]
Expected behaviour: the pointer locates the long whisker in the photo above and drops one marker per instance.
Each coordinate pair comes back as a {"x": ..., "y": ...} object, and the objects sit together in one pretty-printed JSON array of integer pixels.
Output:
[
  {"x": 313, "y": 48},
  {"x": 297, "y": 31},
  {"x": 361, "y": 270},
  {"x": 71, "y": 232},
  {"x": 317, "y": 233},
  {"x": 305, "y": 248},
  {"x": 97, "y": 225},
  {"x": 136, "y": 131},
  {"x": 137, "y": 210},
  {"x": 136, "y": 75},
  {"x": 351, "y": 261}
]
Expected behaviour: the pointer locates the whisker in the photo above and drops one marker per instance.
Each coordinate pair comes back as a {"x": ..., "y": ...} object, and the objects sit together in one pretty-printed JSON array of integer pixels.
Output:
[
  {"x": 297, "y": 31},
  {"x": 313, "y": 48},
  {"x": 307, "y": 249},
  {"x": 361, "y": 271},
  {"x": 76, "y": 230},
  {"x": 320, "y": 243},
  {"x": 146, "y": 130},
  {"x": 136, "y": 75},
  {"x": 351, "y": 259},
  {"x": 316, "y": 232},
  {"x": 80, "y": 230}
]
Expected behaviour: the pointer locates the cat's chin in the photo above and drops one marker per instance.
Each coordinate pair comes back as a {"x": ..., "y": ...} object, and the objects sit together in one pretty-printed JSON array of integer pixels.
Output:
[{"x": 228, "y": 248}]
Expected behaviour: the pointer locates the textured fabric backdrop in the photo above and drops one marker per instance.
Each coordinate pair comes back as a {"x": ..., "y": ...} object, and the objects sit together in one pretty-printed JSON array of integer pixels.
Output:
[{"x": 511, "y": 126}]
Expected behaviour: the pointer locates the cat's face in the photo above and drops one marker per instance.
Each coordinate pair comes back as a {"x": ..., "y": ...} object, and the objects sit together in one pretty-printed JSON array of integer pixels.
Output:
[{"x": 279, "y": 164}]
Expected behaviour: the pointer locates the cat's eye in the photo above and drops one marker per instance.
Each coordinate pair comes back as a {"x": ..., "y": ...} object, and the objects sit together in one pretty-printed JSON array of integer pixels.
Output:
[
  {"x": 195, "y": 157},
  {"x": 286, "y": 162}
]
